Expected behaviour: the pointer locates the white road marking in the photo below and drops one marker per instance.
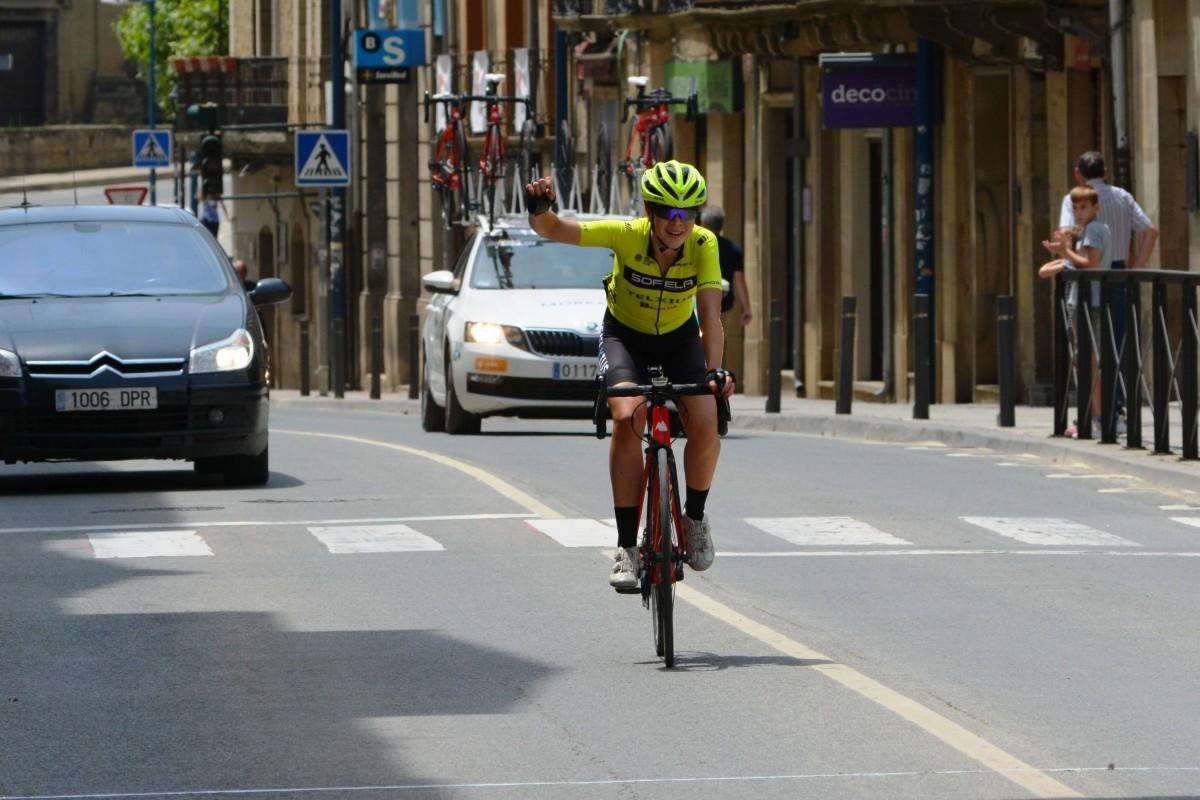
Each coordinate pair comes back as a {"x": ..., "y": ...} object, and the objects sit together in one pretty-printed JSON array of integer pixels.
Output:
[
  {"x": 1091, "y": 477},
  {"x": 1049, "y": 531},
  {"x": 374, "y": 539},
  {"x": 1191, "y": 521},
  {"x": 147, "y": 544},
  {"x": 577, "y": 532},
  {"x": 925, "y": 552},
  {"x": 824, "y": 531},
  {"x": 534, "y": 506},
  {"x": 256, "y": 523}
]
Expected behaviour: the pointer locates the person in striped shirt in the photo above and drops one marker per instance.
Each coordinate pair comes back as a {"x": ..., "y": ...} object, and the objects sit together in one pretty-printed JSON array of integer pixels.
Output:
[{"x": 1124, "y": 217}]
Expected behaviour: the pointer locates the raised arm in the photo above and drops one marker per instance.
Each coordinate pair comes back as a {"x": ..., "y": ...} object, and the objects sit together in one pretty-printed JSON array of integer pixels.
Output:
[{"x": 538, "y": 197}]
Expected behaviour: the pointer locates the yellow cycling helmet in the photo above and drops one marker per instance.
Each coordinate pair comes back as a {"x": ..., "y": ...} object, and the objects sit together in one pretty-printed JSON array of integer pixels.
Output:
[{"x": 674, "y": 184}]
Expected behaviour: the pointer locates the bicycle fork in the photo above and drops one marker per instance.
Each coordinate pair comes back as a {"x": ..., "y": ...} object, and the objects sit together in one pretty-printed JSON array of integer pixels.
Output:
[{"x": 659, "y": 521}]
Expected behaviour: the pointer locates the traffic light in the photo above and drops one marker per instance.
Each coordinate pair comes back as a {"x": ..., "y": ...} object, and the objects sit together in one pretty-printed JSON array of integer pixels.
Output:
[{"x": 210, "y": 158}]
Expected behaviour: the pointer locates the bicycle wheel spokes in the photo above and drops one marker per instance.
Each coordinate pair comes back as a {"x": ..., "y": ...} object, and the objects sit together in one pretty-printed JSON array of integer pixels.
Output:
[
  {"x": 664, "y": 591},
  {"x": 462, "y": 192},
  {"x": 604, "y": 169}
]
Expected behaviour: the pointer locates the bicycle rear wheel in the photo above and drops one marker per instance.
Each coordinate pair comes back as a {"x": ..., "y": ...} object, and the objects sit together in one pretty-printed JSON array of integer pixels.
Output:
[
  {"x": 492, "y": 165},
  {"x": 462, "y": 195},
  {"x": 604, "y": 168},
  {"x": 662, "y": 595},
  {"x": 525, "y": 159}
]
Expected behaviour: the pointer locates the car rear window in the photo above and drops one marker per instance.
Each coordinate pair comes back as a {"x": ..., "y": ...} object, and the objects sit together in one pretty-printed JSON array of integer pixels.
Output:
[
  {"x": 539, "y": 264},
  {"x": 108, "y": 258}
]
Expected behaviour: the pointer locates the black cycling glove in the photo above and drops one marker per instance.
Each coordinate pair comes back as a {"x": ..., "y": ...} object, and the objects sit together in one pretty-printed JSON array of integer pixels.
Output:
[
  {"x": 538, "y": 204},
  {"x": 719, "y": 376}
]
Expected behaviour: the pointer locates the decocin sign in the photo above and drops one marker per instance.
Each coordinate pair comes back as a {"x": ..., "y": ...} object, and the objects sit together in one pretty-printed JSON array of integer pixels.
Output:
[{"x": 869, "y": 91}]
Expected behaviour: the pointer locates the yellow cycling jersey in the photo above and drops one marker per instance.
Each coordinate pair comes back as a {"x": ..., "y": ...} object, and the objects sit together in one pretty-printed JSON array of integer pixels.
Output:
[{"x": 639, "y": 294}]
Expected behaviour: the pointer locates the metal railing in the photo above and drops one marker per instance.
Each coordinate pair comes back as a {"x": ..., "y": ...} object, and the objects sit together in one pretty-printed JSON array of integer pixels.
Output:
[
  {"x": 255, "y": 93},
  {"x": 1152, "y": 362}
]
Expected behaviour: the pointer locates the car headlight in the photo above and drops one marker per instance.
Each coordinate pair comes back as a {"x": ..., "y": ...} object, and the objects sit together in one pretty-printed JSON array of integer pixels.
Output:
[
  {"x": 491, "y": 333},
  {"x": 236, "y": 352},
  {"x": 10, "y": 365}
]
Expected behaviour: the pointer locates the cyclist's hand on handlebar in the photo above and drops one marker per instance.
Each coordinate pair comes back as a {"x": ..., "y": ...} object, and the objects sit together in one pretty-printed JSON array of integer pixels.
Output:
[
  {"x": 539, "y": 196},
  {"x": 722, "y": 381}
]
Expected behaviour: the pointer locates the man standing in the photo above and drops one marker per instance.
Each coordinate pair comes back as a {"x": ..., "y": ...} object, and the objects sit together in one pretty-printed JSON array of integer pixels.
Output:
[{"x": 1124, "y": 217}]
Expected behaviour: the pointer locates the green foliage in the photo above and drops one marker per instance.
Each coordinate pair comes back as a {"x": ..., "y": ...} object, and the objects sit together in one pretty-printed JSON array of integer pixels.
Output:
[{"x": 182, "y": 28}]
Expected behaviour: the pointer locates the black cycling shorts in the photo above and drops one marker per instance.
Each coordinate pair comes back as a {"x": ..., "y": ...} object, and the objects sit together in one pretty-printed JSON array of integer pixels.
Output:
[{"x": 625, "y": 353}]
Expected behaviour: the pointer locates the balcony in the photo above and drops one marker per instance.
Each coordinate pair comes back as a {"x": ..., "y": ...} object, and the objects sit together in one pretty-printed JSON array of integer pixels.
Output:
[{"x": 246, "y": 91}]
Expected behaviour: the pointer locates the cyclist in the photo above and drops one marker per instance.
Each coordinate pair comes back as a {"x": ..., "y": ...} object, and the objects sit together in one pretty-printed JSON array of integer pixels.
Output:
[{"x": 664, "y": 307}]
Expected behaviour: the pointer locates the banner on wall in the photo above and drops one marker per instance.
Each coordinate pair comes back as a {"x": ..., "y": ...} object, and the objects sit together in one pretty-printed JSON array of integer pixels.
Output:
[
  {"x": 443, "y": 68},
  {"x": 479, "y": 67},
  {"x": 520, "y": 85}
]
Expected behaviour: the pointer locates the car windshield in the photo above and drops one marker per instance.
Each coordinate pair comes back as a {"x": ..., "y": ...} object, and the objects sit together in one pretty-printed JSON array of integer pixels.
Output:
[
  {"x": 520, "y": 263},
  {"x": 88, "y": 259}
]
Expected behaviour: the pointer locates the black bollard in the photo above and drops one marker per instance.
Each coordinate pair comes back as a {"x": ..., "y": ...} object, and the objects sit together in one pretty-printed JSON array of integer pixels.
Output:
[
  {"x": 339, "y": 358},
  {"x": 774, "y": 352},
  {"x": 1006, "y": 365},
  {"x": 845, "y": 382},
  {"x": 921, "y": 365},
  {"x": 304, "y": 376},
  {"x": 376, "y": 355},
  {"x": 414, "y": 353}
]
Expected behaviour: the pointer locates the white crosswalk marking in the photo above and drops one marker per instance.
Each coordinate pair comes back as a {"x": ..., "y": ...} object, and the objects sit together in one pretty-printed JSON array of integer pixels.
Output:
[
  {"x": 1050, "y": 531},
  {"x": 824, "y": 531},
  {"x": 147, "y": 544},
  {"x": 373, "y": 539},
  {"x": 577, "y": 532}
]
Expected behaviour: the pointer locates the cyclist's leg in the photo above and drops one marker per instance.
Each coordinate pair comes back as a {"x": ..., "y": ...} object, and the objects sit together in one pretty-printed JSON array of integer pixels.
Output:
[
  {"x": 702, "y": 449},
  {"x": 619, "y": 366}
]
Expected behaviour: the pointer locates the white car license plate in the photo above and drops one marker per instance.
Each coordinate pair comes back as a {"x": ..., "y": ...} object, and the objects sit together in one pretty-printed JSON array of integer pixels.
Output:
[
  {"x": 106, "y": 399},
  {"x": 575, "y": 372}
]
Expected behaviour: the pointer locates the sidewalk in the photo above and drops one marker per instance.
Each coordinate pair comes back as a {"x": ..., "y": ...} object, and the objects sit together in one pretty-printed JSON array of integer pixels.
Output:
[
  {"x": 971, "y": 425},
  {"x": 50, "y": 181}
]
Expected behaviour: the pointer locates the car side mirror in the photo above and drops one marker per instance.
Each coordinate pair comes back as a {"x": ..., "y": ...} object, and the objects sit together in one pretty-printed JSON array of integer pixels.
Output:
[
  {"x": 440, "y": 282},
  {"x": 269, "y": 291}
]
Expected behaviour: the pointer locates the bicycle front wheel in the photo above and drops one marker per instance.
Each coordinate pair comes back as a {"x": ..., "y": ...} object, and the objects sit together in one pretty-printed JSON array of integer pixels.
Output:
[
  {"x": 662, "y": 596},
  {"x": 659, "y": 145}
]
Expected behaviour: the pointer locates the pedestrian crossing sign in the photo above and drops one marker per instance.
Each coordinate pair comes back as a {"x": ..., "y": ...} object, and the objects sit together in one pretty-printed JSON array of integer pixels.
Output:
[
  {"x": 323, "y": 158},
  {"x": 152, "y": 148}
]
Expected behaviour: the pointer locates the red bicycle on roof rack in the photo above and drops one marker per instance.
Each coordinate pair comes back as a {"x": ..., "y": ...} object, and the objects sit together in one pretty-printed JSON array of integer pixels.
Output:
[
  {"x": 450, "y": 169},
  {"x": 493, "y": 159},
  {"x": 650, "y": 134}
]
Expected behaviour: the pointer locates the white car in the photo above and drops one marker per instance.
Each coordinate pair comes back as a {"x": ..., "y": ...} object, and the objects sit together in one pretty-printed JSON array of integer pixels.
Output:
[{"x": 513, "y": 330}]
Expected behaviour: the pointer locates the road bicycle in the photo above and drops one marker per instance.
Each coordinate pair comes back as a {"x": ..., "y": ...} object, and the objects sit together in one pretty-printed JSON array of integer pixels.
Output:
[
  {"x": 450, "y": 169},
  {"x": 493, "y": 158},
  {"x": 650, "y": 134},
  {"x": 664, "y": 545}
]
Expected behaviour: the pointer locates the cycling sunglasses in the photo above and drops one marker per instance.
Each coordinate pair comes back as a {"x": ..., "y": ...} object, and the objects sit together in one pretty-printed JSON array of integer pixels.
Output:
[{"x": 670, "y": 212}]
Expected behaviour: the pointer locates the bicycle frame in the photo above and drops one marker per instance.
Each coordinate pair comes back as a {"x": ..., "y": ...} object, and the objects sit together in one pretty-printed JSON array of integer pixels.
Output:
[{"x": 647, "y": 121}]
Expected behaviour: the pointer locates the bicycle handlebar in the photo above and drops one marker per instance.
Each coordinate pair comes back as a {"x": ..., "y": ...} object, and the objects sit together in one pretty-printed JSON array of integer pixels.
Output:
[
  {"x": 664, "y": 392},
  {"x": 660, "y": 97},
  {"x": 459, "y": 99}
]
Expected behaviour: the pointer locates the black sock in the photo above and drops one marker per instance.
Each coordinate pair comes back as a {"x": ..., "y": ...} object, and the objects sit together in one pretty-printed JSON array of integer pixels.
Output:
[
  {"x": 693, "y": 505},
  {"x": 627, "y": 525}
]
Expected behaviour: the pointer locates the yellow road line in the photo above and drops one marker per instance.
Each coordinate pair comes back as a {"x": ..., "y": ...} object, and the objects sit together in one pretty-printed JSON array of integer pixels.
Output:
[
  {"x": 532, "y": 505},
  {"x": 969, "y": 744}
]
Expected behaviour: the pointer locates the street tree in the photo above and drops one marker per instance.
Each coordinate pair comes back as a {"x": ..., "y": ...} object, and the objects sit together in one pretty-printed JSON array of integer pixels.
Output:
[{"x": 182, "y": 29}]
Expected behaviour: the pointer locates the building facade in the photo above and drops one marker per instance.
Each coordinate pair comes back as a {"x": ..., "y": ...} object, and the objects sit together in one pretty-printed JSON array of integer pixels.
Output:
[{"x": 952, "y": 203}]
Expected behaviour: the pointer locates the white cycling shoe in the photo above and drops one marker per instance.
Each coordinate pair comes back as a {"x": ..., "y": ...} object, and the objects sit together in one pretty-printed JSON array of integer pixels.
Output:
[
  {"x": 699, "y": 535},
  {"x": 625, "y": 569}
]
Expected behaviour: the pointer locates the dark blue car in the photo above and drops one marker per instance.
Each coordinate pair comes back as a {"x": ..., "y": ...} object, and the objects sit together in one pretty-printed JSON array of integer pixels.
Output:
[{"x": 125, "y": 333}]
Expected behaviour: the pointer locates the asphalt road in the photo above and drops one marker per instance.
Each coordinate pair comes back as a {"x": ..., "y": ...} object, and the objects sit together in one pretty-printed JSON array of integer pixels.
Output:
[{"x": 403, "y": 614}]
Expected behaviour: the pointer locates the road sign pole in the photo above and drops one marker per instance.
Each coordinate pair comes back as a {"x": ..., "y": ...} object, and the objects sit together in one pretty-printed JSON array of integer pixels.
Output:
[
  {"x": 153, "y": 172},
  {"x": 337, "y": 206}
]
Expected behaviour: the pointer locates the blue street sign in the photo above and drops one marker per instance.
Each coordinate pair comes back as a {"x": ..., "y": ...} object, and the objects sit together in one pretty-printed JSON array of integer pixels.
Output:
[
  {"x": 322, "y": 158},
  {"x": 385, "y": 56},
  {"x": 152, "y": 148}
]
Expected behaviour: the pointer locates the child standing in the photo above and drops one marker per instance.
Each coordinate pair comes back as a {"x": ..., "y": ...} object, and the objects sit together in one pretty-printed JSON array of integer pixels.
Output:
[{"x": 1091, "y": 251}]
